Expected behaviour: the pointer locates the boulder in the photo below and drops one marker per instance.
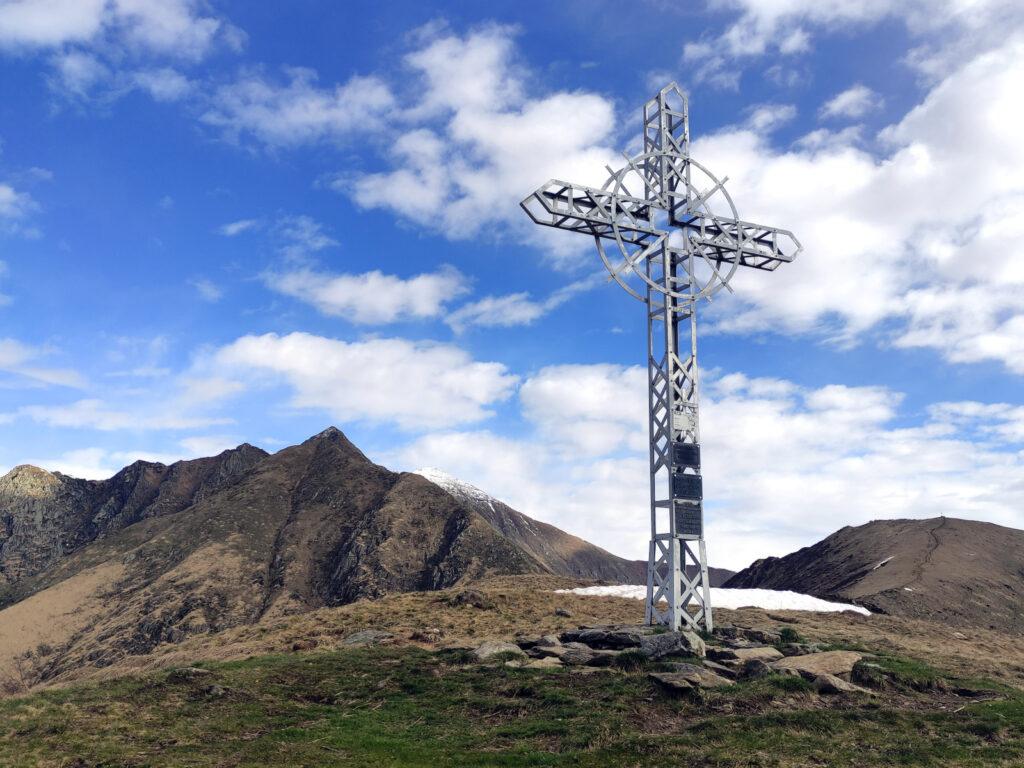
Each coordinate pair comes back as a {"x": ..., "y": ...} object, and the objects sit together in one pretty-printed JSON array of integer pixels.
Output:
[
  {"x": 607, "y": 638},
  {"x": 563, "y": 613},
  {"x": 830, "y": 684},
  {"x": 571, "y": 654},
  {"x": 813, "y": 664},
  {"x": 754, "y": 669},
  {"x": 660, "y": 645},
  {"x": 367, "y": 637},
  {"x": 688, "y": 678},
  {"x": 490, "y": 648}
]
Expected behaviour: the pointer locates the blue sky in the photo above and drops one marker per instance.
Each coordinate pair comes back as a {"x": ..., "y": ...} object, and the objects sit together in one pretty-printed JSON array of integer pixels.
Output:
[{"x": 225, "y": 222}]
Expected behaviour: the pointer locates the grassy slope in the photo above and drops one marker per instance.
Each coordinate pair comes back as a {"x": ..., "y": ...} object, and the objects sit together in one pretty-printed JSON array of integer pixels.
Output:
[{"x": 404, "y": 706}]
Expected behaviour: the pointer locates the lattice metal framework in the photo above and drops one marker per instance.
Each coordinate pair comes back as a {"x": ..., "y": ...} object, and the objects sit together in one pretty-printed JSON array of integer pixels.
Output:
[{"x": 678, "y": 239}]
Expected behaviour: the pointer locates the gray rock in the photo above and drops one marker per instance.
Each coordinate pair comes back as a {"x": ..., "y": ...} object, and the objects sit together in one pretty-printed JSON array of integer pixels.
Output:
[
  {"x": 367, "y": 637},
  {"x": 548, "y": 641},
  {"x": 754, "y": 669},
  {"x": 606, "y": 638},
  {"x": 689, "y": 679},
  {"x": 830, "y": 684},
  {"x": 721, "y": 669},
  {"x": 490, "y": 648},
  {"x": 740, "y": 655},
  {"x": 813, "y": 664},
  {"x": 658, "y": 646},
  {"x": 563, "y": 613}
]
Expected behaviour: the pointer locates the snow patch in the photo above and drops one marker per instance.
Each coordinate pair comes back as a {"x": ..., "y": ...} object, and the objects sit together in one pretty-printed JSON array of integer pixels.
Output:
[
  {"x": 457, "y": 488},
  {"x": 771, "y": 599},
  {"x": 890, "y": 557}
]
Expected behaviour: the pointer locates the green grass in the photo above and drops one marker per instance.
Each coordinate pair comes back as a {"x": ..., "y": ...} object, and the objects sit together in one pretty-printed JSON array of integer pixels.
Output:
[{"x": 409, "y": 707}]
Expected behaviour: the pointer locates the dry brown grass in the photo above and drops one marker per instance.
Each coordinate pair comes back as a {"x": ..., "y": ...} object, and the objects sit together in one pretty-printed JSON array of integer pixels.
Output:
[{"x": 526, "y": 605}]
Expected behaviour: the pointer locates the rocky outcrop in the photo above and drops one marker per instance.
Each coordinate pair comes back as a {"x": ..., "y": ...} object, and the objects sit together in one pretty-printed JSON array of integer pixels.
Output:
[{"x": 45, "y": 516}]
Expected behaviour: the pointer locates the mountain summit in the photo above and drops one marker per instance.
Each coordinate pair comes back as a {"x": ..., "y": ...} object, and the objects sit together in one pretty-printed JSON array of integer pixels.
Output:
[{"x": 96, "y": 570}]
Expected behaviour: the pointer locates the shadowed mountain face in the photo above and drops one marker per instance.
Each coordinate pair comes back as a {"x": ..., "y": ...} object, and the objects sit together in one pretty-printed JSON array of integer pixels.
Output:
[
  {"x": 96, "y": 570},
  {"x": 958, "y": 571}
]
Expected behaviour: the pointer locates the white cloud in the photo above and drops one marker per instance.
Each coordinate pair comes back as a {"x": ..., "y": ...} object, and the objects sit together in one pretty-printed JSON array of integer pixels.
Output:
[
  {"x": 928, "y": 236},
  {"x": 856, "y": 101},
  {"x": 301, "y": 236},
  {"x": 299, "y": 111},
  {"x": 478, "y": 141},
  {"x": 783, "y": 465},
  {"x": 948, "y": 31},
  {"x": 4, "y": 298},
  {"x": 163, "y": 84},
  {"x": 416, "y": 385},
  {"x": 93, "y": 413},
  {"x": 514, "y": 308},
  {"x": 372, "y": 297},
  {"x": 22, "y": 361},
  {"x": 207, "y": 289},
  {"x": 13, "y": 204},
  {"x": 48, "y": 23},
  {"x": 234, "y": 228},
  {"x": 174, "y": 27},
  {"x": 765, "y": 118},
  {"x": 77, "y": 72}
]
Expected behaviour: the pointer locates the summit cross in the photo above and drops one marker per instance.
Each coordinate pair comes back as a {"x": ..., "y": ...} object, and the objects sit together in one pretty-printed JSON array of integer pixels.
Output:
[{"x": 678, "y": 239}]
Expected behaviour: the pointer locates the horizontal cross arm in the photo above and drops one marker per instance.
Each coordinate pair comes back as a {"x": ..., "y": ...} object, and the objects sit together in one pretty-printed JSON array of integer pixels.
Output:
[
  {"x": 592, "y": 211},
  {"x": 759, "y": 247}
]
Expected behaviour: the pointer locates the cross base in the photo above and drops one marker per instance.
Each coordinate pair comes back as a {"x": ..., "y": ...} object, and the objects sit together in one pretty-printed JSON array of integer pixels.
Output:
[{"x": 667, "y": 582}]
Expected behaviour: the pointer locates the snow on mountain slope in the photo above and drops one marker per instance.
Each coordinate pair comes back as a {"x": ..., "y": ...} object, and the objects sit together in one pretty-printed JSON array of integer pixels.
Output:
[
  {"x": 457, "y": 488},
  {"x": 775, "y": 600}
]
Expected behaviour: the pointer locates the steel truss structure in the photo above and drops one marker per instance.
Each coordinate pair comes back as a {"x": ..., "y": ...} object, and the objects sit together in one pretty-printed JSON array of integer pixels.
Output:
[{"x": 678, "y": 240}]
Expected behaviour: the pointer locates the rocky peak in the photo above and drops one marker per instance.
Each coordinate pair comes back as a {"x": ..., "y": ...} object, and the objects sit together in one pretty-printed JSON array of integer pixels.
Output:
[{"x": 27, "y": 480}]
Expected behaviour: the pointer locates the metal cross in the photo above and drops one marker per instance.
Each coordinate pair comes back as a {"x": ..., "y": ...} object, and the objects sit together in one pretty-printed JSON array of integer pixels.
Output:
[{"x": 678, "y": 239}]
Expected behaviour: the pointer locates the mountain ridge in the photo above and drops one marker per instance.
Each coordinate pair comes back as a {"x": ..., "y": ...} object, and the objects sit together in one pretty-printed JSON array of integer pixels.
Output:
[
  {"x": 96, "y": 570},
  {"x": 940, "y": 568}
]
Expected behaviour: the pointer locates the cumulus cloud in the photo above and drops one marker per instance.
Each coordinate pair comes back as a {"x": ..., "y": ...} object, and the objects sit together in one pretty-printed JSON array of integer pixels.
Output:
[
  {"x": 415, "y": 385},
  {"x": 174, "y": 27},
  {"x": 163, "y": 84},
  {"x": 927, "y": 235},
  {"x": 478, "y": 140},
  {"x": 372, "y": 298},
  {"x": 298, "y": 111},
  {"x": 784, "y": 465},
  {"x": 856, "y": 101}
]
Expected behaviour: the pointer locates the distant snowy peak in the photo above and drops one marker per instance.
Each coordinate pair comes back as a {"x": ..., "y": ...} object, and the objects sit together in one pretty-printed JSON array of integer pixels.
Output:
[{"x": 457, "y": 488}]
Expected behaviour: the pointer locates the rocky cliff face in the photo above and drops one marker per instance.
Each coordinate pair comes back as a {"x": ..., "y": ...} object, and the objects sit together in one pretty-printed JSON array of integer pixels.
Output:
[
  {"x": 943, "y": 569},
  {"x": 45, "y": 516}
]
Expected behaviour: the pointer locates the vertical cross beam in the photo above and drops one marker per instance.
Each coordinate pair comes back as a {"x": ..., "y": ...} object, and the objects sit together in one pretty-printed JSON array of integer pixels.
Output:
[{"x": 677, "y": 514}]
